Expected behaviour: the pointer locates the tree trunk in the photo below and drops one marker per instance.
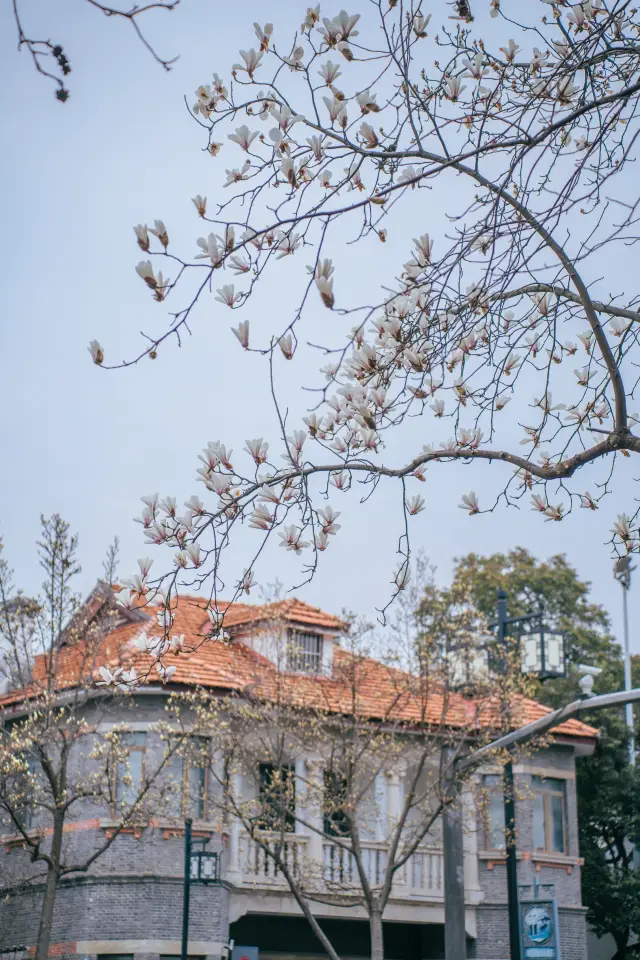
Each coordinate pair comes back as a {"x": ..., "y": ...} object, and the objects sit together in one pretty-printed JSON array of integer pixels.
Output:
[
  {"x": 377, "y": 945},
  {"x": 50, "y": 890}
]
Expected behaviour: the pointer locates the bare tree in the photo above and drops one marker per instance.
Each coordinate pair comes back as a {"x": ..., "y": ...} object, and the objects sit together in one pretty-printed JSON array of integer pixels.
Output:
[
  {"x": 345, "y": 130},
  {"x": 50, "y": 59},
  {"x": 63, "y": 748},
  {"x": 315, "y": 754}
]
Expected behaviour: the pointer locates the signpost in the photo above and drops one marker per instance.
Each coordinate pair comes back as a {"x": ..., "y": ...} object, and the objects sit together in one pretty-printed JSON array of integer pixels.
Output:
[{"x": 539, "y": 922}]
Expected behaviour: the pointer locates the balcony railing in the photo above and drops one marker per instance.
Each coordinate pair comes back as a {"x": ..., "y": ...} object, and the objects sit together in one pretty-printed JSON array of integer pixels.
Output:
[
  {"x": 421, "y": 877},
  {"x": 257, "y": 868}
]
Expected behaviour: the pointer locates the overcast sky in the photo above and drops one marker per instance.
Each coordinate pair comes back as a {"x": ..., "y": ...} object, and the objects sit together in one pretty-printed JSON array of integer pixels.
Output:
[{"x": 88, "y": 443}]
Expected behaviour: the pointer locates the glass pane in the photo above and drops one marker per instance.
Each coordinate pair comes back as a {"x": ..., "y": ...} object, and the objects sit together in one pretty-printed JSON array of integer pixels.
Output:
[
  {"x": 494, "y": 812},
  {"x": 539, "y": 841},
  {"x": 127, "y": 792},
  {"x": 556, "y": 806},
  {"x": 133, "y": 739},
  {"x": 530, "y": 653},
  {"x": 197, "y": 781},
  {"x": 173, "y": 795},
  {"x": 555, "y": 658}
]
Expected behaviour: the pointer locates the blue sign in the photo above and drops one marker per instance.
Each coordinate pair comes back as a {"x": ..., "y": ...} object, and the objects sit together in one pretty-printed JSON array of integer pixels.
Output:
[
  {"x": 538, "y": 925},
  {"x": 539, "y": 922}
]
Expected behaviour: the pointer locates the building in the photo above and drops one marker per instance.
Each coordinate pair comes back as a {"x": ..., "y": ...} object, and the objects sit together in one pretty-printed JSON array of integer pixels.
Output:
[{"x": 127, "y": 906}]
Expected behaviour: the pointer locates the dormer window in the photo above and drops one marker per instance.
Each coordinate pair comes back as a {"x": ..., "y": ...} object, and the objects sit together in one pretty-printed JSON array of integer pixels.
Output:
[{"x": 304, "y": 652}]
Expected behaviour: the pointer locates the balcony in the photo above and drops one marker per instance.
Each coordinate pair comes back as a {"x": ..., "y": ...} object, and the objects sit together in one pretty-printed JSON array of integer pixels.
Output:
[{"x": 420, "y": 878}]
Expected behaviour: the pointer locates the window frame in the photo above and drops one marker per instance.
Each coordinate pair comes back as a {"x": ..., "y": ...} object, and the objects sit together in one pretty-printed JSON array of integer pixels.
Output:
[
  {"x": 494, "y": 789},
  {"x": 542, "y": 788},
  {"x": 289, "y": 814},
  {"x": 131, "y": 748},
  {"x": 332, "y": 821},
  {"x": 299, "y": 659}
]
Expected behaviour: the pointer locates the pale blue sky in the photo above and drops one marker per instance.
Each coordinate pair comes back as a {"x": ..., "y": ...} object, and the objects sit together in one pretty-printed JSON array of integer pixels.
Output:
[{"x": 89, "y": 443}]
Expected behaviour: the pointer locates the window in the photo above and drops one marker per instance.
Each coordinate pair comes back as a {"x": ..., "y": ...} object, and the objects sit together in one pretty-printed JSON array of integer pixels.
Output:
[
  {"x": 336, "y": 818},
  {"x": 188, "y": 779},
  {"x": 493, "y": 812},
  {"x": 130, "y": 772},
  {"x": 277, "y": 797},
  {"x": 549, "y": 815},
  {"x": 115, "y": 956},
  {"x": 304, "y": 652}
]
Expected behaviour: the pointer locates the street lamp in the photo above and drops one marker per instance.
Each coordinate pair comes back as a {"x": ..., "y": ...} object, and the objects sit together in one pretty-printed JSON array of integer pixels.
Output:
[
  {"x": 622, "y": 572},
  {"x": 200, "y": 866},
  {"x": 542, "y": 654}
]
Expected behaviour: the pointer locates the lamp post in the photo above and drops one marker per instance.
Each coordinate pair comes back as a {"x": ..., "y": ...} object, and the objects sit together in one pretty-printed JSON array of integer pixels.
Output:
[
  {"x": 542, "y": 653},
  {"x": 622, "y": 572},
  {"x": 200, "y": 866}
]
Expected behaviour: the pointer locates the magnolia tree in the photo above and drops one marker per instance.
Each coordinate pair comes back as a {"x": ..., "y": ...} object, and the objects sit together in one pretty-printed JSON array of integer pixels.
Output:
[
  {"x": 337, "y": 792},
  {"x": 61, "y": 753},
  {"x": 494, "y": 337}
]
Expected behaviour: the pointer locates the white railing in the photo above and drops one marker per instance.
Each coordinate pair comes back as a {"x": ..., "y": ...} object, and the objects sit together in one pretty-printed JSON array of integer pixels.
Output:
[
  {"x": 258, "y": 868},
  {"x": 421, "y": 876}
]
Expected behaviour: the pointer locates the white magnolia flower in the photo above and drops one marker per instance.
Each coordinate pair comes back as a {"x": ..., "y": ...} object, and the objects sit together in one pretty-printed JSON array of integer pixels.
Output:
[
  {"x": 537, "y": 61},
  {"x": 510, "y": 51},
  {"x": 321, "y": 540},
  {"x": 316, "y": 144},
  {"x": 160, "y": 231},
  {"x": 251, "y": 59},
  {"x": 145, "y": 270},
  {"x": 622, "y": 527},
  {"x": 470, "y": 503},
  {"x": 228, "y": 295},
  {"x": 235, "y": 175},
  {"x": 539, "y": 503},
  {"x": 311, "y": 18},
  {"x": 258, "y": 449},
  {"x": 367, "y": 102},
  {"x": 288, "y": 171},
  {"x": 325, "y": 179},
  {"x": 109, "y": 678},
  {"x": 476, "y": 69},
  {"x": 327, "y": 519},
  {"x": 261, "y": 518},
  {"x": 286, "y": 345},
  {"x": 584, "y": 375},
  {"x": 455, "y": 88},
  {"x": 420, "y": 24},
  {"x": 587, "y": 501},
  {"x": 403, "y": 576},
  {"x": 325, "y": 289},
  {"x": 243, "y": 136},
  {"x": 248, "y": 581},
  {"x": 193, "y": 550},
  {"x": 329, "y": 72},
  {"x": 290, "y": 538},
  {"x": 242, "y": 333},
  {"x": 438, "y": 407},
  {"x": 142, "y": 236},
  {"x": 337, "y": 110},
  {"x": 165, "y": 672},
  {"x": 96, "y": 351},
  {"x": 200, "y": 203},
  {"x": 263, "y": 34},
  {"x": 212, "y": 249},
  {"x": 618, "y": 326},
  {"x": 294, "y": 62},
  {"x": 408, "y": 174},
  {"x": 554, "y": 512},
  {"x": 565, "y": 90},
  {"x": 415, "y": 504},
  {"x": 494, "y": 8}
]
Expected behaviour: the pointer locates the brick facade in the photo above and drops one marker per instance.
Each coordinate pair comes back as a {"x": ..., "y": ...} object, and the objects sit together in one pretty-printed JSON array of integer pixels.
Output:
[{"x": 131, "y": 900}]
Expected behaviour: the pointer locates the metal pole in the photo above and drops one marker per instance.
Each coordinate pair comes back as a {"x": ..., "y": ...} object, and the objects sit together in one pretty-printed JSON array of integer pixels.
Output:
[
  {"x": 510, "y": 816},
  {"x": 455, "y": 938},
  {"x": 186, "y": 890},
  {"x": 628, "y": 710}
]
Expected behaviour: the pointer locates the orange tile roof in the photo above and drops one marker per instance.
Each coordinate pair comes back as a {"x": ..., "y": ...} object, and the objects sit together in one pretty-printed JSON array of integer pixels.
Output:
[{"x": 382, "y": 691}]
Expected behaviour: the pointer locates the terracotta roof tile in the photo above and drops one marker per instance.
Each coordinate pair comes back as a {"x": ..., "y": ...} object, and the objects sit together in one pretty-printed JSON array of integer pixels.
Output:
[{"x": 382, "y": 691}]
